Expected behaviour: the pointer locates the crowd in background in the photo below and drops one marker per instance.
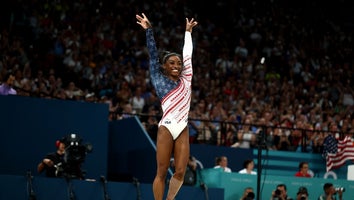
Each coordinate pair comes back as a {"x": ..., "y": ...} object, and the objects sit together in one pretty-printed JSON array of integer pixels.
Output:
[{"x": 256, "y": 63}]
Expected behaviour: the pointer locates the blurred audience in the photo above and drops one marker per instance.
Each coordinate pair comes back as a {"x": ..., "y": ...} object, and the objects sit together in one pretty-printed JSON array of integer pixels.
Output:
[{"x": 258, "y": 64}]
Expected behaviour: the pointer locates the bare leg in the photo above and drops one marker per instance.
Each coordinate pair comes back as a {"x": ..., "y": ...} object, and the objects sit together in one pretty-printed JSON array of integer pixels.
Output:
[
  {"x": 181, "y": 156},
  {"x": 164, "y": 147},
  {"x": 173, "y": 188}
]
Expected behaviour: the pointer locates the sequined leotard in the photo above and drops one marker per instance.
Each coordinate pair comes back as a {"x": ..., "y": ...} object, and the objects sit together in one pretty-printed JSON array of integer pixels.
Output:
[{"x": 175, "y": 97}]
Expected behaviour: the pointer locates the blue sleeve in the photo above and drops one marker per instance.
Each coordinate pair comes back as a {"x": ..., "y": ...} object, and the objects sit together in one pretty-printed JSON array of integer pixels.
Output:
[
  {"x": 156, "y": 77},
  {"x": 154, "y": 57}
]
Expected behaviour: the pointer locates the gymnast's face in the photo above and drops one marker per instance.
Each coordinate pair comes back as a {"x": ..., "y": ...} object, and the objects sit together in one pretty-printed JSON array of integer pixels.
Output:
[{"x": 173, "y": 67}]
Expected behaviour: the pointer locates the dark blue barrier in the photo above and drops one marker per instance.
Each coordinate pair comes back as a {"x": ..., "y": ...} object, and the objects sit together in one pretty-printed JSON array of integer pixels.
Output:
[
  {"x": 131, "y": 152},
  {"x": 30, "y": 127},
  {"x": 16, "y": 188}
]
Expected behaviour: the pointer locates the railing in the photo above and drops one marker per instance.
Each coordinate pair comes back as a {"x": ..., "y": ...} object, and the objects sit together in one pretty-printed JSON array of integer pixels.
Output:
[{"x": 224, "y": 133}]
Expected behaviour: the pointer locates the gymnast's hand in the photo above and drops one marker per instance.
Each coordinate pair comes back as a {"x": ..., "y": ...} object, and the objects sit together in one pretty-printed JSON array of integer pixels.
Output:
[
  {"x": 143, "y": 21},
  {"x": 190, "y": 24}
]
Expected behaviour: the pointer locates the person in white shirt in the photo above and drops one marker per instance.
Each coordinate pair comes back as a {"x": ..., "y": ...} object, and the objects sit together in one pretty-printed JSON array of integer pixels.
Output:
[
  {"x": 221, "y": 162},
  {"x": 248, "y": 166}
]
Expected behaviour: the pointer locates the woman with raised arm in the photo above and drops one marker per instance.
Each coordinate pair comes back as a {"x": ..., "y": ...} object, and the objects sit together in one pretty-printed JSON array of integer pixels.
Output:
[{"x": 172, "y": 79}]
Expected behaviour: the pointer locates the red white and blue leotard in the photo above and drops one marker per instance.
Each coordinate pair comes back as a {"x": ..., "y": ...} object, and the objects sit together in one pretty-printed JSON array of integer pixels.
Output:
[{"x": 175, "y": 96}]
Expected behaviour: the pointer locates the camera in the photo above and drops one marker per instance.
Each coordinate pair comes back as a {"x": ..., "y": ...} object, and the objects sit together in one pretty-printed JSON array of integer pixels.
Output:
[
  {"x": 277, "y": 194},
  {"x": 250, "y": 196},
  {"x": 75, "y": 154},
  {"x": 74, "y": 149},
  {"x": 303, "y": 197},
  {"x": 302, "y": 193},
  {"x": 340, "y": 189}
]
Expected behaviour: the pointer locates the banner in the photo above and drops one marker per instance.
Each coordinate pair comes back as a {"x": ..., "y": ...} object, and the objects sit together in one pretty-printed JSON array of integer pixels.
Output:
[{"x": 345, "y": 152}]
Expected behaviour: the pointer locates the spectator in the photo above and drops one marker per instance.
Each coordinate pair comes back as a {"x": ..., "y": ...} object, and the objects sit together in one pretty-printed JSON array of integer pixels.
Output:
[
  {"x": 296, "y": 135},
  {"x": 281, "y": 139},
  {"x": 18, "y": 77},
  {"x": 206, "y": 130},
  {"x": 218, "y": 114},
  {"x": 318, "y": 138},
  {"x": 248, "y": 166},
  {"x": 127, "y": 110},
  {"x": 226, "y": 136},
  {"x": 302, "y": 194},
  {"x": 246, "y": 138},
  {"x": 124, "y": 93},
  {"x": 193, "y": 125},
  {"x": 280, "y": 193},
  {"x": 306, "y": 143},
  {"x": 303, "y": 170},
  {"x": 90, "y": 97},
  {"x": 152, "y": 122},
  {"x": 6, "y": 88},
  {"x": 137, "y": 101},
  {"x": 248, "y": 194},
  {"x": 72, "y": 92},
  {"x": 330, "y": 192},
  {"x": 221, "y": 162}
]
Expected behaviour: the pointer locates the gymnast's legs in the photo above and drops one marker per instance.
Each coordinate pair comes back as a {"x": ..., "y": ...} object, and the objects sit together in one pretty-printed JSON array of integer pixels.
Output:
[{"x": 165, "y": 147}]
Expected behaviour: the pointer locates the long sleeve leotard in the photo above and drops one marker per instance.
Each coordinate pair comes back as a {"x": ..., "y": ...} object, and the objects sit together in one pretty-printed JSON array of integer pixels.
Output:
[{"x": 175, "y": 96}]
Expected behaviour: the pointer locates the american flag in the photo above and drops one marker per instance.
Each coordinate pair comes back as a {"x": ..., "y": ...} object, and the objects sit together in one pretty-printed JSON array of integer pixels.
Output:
[
  {"x": 344, "y": 152},
  {"x": 329, "y": 145}
]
